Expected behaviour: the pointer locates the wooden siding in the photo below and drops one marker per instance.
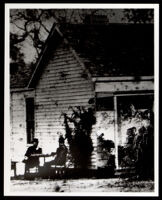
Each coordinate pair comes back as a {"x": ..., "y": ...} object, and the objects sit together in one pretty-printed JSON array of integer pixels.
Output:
[
  {"x": 18, "y": 137},
  {"x": 124, "y": 86},
  {"x": 60, "y": 86},
  {"x": 105, "y": 124}
]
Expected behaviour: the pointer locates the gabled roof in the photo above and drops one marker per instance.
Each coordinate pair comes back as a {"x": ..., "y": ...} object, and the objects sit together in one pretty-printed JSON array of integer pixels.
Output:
[
  {"x": 114, "y": 49},
  {"x": 105, "y": 50}
]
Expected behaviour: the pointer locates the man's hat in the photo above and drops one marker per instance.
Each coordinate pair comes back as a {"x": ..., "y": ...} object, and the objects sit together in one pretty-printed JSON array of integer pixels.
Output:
[{"x": 35, "y": 140}]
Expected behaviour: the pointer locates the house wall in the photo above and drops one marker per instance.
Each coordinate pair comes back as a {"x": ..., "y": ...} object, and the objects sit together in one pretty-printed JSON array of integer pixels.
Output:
[
  {"x": 61, "y": 85},
  {"x": 18, "y": 136},
  {"x": 105, "y": 124}
]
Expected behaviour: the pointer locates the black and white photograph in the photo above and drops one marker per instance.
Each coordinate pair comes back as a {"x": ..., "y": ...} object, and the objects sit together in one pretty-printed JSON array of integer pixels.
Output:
[{"x": 81, "y": 100}]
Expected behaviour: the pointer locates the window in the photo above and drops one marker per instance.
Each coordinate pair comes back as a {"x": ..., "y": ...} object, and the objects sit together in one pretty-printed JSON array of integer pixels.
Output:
[
  {"x": 105, "y": 103},
  {"x": 30, "y": 119}
]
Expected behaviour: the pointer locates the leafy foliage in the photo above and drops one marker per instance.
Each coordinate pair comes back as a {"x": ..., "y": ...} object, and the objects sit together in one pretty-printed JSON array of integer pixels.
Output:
[
  {"x": 139, "y": 149},
  {"x": 139, "y": 15},
  {"x": 34, "y": 24},
  {"x": 78, "y": 137},
  {"x": 107, "y": 147}
]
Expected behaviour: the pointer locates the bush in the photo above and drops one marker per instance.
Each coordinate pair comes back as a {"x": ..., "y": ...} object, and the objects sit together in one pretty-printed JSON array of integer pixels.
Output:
[{"x": 79, "y": 137}]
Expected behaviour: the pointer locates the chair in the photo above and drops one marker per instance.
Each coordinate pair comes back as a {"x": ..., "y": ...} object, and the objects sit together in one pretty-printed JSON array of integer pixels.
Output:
[
  {"x": 58, "y": 165},
  {"x": 32, "y": 164}
]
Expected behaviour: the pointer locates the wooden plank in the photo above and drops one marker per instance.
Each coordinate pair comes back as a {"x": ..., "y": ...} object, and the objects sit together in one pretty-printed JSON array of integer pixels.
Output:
[
  {"x": 54, "y": 67},
  {"x": 70, "y": 84},
  {"x": 17, "y": 98},
  {"x": 62, "y": 58},
  {"x": 52, "y": 115},
  {"x": 57, "y": 77},
  {"x": 18, "y": 109},
  {"x": 66, "y": 68},
  {"x": 63, "y": 62},
  {"x": 67, "y": 85},
  {"x": 62, "y": 66},
  {"x": 52, "y": 112},
  {"x": 52, "y": 125},
  {"x": 62, "y": 51},
  {"x": 62, "y": 106},
  {"x": 44, "y": 127},
  {"x": 122, "y": 78},
  {"x": 18, "y": 118},
  {"x": 52, "y": 96},
  {"x": 70, "y": 95},
  {"x": 70, "y": 69},
  {"x": 69, "y": 98},
  {"x": 124, "y": 86},
  {"x": 62, "y": 97},
  {"x": 62, "y": 54},
  {"x": 64, "y": 90},
  {"x": 53, "y": 120},
  {"x": 18, "y": 114},
  {"x": 64, "y": 83}
]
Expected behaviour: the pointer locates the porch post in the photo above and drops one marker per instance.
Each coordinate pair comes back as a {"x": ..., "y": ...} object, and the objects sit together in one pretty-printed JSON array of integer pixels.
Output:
[{"x": 116, "y": 131}]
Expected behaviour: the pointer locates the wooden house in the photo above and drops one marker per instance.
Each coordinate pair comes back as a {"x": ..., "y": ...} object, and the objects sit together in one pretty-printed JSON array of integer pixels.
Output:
[{"x": 112, "y": 64}]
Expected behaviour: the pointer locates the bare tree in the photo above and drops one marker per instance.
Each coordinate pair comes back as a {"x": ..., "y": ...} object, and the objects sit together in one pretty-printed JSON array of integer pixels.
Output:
[{"x": 33, "y": 25}]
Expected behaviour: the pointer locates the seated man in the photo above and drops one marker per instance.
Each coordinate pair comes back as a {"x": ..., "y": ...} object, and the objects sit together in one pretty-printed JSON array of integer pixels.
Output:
[
  {"x": 61, "y": 154},
  {"x": 31, "y": 160}
]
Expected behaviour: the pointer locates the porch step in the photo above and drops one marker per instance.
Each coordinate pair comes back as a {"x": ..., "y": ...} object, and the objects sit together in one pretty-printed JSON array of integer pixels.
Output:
[
  {"x": 76, "y": 173},
  {"x": 125, "y": 172}
]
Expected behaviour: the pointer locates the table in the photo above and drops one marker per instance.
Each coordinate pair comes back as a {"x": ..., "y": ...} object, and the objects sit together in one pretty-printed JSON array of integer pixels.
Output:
[{"x": 44, "y": 156}]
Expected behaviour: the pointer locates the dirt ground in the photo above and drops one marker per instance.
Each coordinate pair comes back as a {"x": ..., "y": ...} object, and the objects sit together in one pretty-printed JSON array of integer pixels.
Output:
[{"x": 82, "y": 185}]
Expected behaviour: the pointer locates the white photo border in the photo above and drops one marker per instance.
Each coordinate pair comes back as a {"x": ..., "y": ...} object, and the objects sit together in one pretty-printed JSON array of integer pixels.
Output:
[{"x": 7, "y": 93}]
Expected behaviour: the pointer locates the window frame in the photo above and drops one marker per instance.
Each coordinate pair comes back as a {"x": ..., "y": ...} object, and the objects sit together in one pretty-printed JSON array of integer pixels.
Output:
[{"x": 30, "y": 119}]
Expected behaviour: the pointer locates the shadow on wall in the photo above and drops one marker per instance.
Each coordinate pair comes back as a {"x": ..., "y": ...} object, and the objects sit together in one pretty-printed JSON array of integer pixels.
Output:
[{"x": 138, "y": 149}]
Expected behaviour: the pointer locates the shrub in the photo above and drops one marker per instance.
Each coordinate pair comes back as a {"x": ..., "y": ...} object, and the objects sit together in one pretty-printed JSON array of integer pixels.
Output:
[{"x": 79, "y": 137}]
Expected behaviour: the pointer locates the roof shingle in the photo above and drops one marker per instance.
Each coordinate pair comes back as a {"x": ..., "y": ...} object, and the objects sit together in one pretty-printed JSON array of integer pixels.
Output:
[{"x": 106, "y": 50}]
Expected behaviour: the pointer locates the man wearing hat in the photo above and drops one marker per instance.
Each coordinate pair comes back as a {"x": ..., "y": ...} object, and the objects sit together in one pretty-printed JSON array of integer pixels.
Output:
[
  {"x": 32, "y": 161},
  {"x": 61, "y": 153}
]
